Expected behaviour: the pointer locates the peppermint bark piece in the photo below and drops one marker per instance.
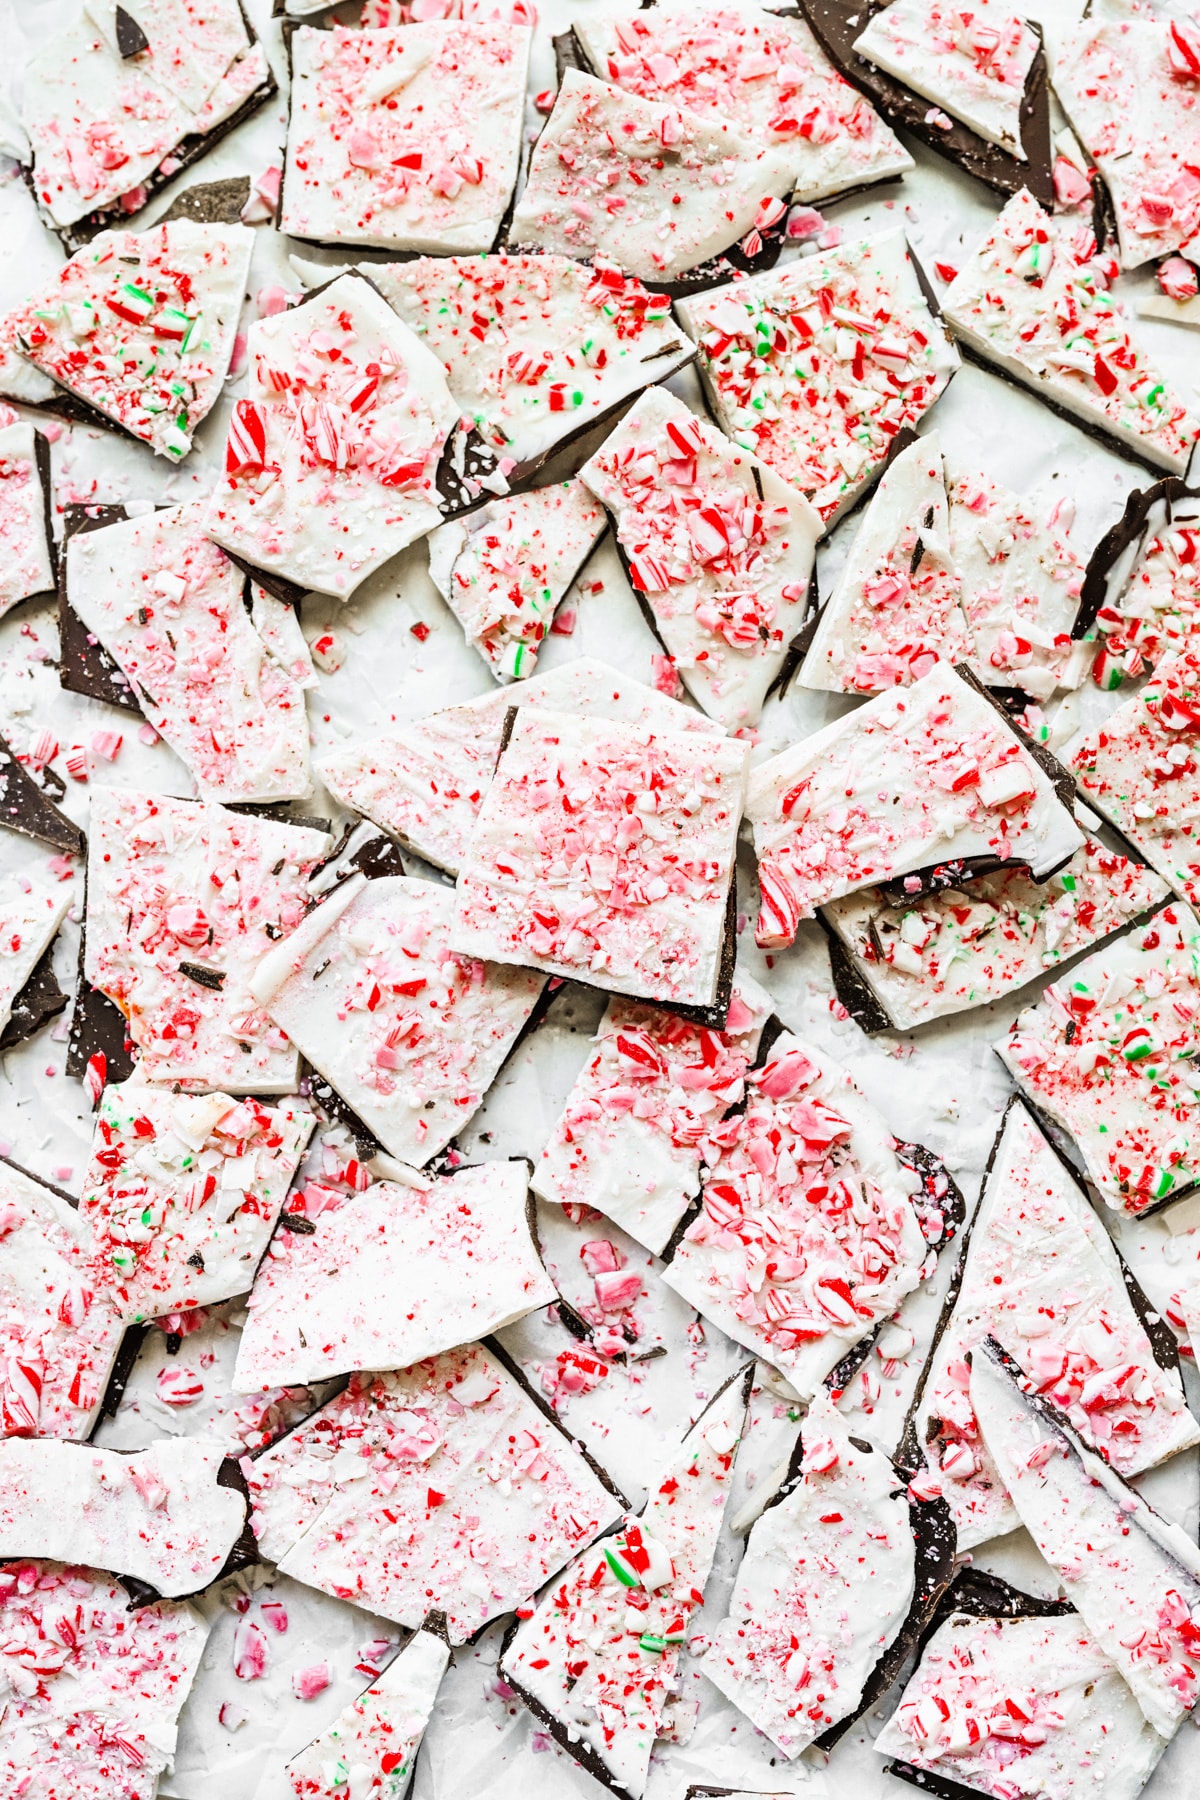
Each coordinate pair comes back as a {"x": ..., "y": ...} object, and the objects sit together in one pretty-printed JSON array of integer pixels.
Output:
[
  {"x": 140, "y": 327},
  {"x": 425, "y": 782},
  {"x": 331, "y": 460},
  {"x": 168, "y": 606},
  {"x": 605, "y": 853},
  {"x": 160, "y": 1516},
  {"x": 60, "y": 1335},
  {"x": 975, "y": 69},
  {"x": 183, "y": 901},
  {"x": 816, "y": 367},
  {"x": 1142, "y": 585},
  {"x": 597, "y": 1661},
  {"x": 896, "y": 608},
  {"x": 807, "y": 1237},
  {"x": 91, "y": 1725},
  {"x": 26, "y": 540},
  {"x": 409, "y": 1034},
  {"x": 761, "y": 73},
  {"x": 406, "y": 138},
  {"x": 640, "y": 1121},
  {"x": 30, "y": 915},
  {"x": 963, "y": 947},
  {"x": 503, "y": 570},
  {"x": 921, "y": 775},
  {"x": 393, "y": 1276},
  {"x": 719, "y": 549},
  {"x": 1039, "y": 1273},
  {"x": 181, "y": 1194},
  {"x": 1033, "y": 300},
  {"x": 1107, "y": 1055},
  {"x": 393, "y": 1495},
  {"x": 1135, "y": 1598},
  {"x": 376, "y": 1738},
  {"x": 659, "y": 190}
]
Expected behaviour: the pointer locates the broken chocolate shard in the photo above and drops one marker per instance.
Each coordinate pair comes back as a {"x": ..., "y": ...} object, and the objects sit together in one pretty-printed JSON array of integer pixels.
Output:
[
  {"x": 851, "y": 989},
  {"x": 209, "y": 978},
  {"x": 939, "y": 1205},
  {"x": 331, "y": 1102},
  {"x": 210, "y": 202},
  {"x": 85, "y": 667},
  {"x": 1060, "y": 778},
  {"x": 40, "y": 999},
  {"x": 569, "y": 54},
  {"x": 25, "y": 808},
  {"x": 1129, "y": 533},
  {"x": 122, "y": 1369},
  {"x": 296, "y": 1223},
  {"x": 131, "y": 39}
]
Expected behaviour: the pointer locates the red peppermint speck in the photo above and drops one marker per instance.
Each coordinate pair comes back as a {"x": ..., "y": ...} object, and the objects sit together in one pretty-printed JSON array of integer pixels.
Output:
[{"x": 420, "y": 631}]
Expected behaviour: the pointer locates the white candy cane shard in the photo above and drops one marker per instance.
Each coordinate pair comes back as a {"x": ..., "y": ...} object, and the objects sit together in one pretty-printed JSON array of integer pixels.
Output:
[
  {"x": 442, "y": 1486},
  {"x": 919, "y": 775},
  {"x": 1037, "y": 1695},
  {"x": 964, "y": 947},
  {"x": 637, "y": 1127},
  {"x": 406, "y": 138},
  {"x": 763, "y": 74},
  {"x": 409, "y": 1034},
  {"x": 60, "y": 1333},
  {"x": 31, "y": 912},
  {"x": 331, "y": 459},
  {"x": 141, "y": 325},
  {"x": 26, "y": 566},
  {"x": 425, "y": 783},
  {"x": 376, "y": 1738},
  {"x": 100, "y": 1715},
  {"x": 815, "y": 328},
  {"x": 975, "y": 69},
  {"x": 1107, "y": 1054},
  {"x": 392, "y": 1276},
  {"x": 1135, "y": 1599},
  {"x": 896, "y": 608},
  {"x": 657, "y": 189},
  {"x": 535, "y": 348},
  {"x": 1040, "y": 1274},
  {"x": 719, "y": 548},
  {"x": 183, "y": 901},
  {"x": 181, "y": 1194},
  {"x": 604, "y": 853},
  {"x": 598, "y": 1660},
  {"x": 807, "y": 1237},
  {"x": 167, "y": 605},
  {"x": 503, "y": 570},
  {"x": 278, "y": 625},
  {"x": 823, "y": 1589},
  {"x": 158, "y": 1516},
  {"x": 1034, "y": 300}
]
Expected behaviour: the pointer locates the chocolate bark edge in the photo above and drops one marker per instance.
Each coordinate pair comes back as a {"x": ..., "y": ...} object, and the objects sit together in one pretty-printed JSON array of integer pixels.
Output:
[
  {"x": 98, "y": 1026},
  {"x": 39, "y": 1000},
  {"x": 851, "y": 986},
  {"x": 1129, "y": 531},
  {"x": 85, "y": 666},
  {"x": 210, "y": 202},
  {"x": 131, "y": 39},
  {"x": 940, "y": 1193},
  {"x": 40, "y": 1181},
  {"x": 1059, "y": 777},
  {"x": 25, "y": 808},
  {"x": 45, "y": 474},
  {"x": 118, "y": 1380}
]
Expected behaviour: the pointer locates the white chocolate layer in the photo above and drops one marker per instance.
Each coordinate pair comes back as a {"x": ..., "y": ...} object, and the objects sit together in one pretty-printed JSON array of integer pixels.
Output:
[
  {"x": 974, "y": 67},
  {"x": 25, "y": 564},
  {"x": 376, "y": 1738}
]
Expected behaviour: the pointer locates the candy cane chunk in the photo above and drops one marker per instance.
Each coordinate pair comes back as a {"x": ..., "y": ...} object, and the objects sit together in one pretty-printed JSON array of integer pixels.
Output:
[
  {"x": 605, "y": 853},
  {"x": 183, "y": 901},
  {"x": 842, "y": 1245},
  {"x": 503, "y": 570},
  {"x": 30, "y": 915},
  {"x": 763, "y": 75},
  {"x": 408, "y": 1033},
  {"x": 376, "y": 1738},
  {"x": 96, "y": 1690},
  {"x": 444, "y": 1486},
  {"x": 1027, "y": 1705},
  {"x": 640, "y": 1122},
  {"x": 815, "y": 367},
  {"x": 394, "y": 1275},
  {"x": 1033, "y": 299},
  {"x": 823, "y": 1590},
  {"x": 26, "y": 544},
  {"x": 896, "y": 608},
  {"x": 168, "y": 607},
  {"x": 1135, "y": 1598},
  {"x": 1142, "y": 586},
  {"x": 1021, "y": 582},
  {"x": 140, "y": 327},
  {"x": 425, "y": 782},
  {"x": 598, "y": 1661},
  {"x": 182, "y": 1193},
  {"x": 331, "y": 460},
  {"x": 657, "y": 189},
  {"x": 719, "y": 550},
  {"x": 976, "y": 69},
  {"x": 60, "y": 1333},
  {"x": 919, "y": 776},
  {"x": 965, "y": 946},
  {"x": 159, "y": 1516},
  {"x": 1040, "y": 1273},
  {"x": 1106, "y": 1053},
  {"x": 405, "y": 139}
]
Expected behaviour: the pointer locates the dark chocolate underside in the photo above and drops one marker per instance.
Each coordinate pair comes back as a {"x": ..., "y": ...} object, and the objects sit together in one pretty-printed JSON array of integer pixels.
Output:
[
  {"x": 40, "y": 999},
  {"x": 851, "y": 986},
  {"x": 210, "y": 202},
  {"x": 41, "y": 457},
  {"x": 1128, "y": 531},
  {"x": 25, "y": 808},
  {"x": 85, "y": 666},
  {"x": 98, "y": 1025}
]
